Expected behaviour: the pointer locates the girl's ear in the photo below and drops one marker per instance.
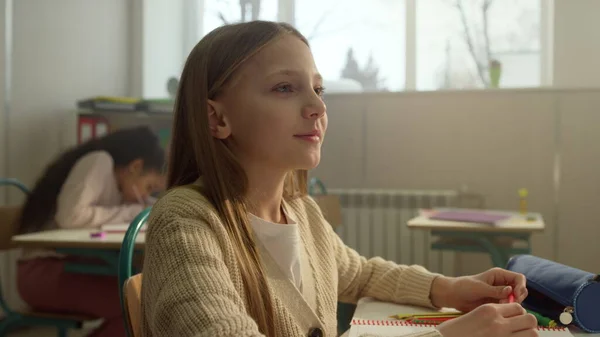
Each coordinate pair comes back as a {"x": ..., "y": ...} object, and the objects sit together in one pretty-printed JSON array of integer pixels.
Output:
[
  {"x": 217, "y": 122},
  {"x": 136, "y": 167}
]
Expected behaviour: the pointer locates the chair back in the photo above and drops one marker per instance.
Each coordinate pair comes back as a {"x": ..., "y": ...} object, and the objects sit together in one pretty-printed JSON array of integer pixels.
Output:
[
  {"x": 8, "y": 228},
  {"x": 9, "y": 214},
  {"x": 8, "y": 225},
  {"x": 126, "y": 265},
  {"x": 132, "y": 297},
  {"x": 15, "y": 183},
  {"x": 329, "y": 204}
]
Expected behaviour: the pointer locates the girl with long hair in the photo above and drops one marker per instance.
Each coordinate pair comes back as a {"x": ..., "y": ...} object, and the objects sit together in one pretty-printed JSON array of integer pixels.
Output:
[{"x": 237, "y": 248}]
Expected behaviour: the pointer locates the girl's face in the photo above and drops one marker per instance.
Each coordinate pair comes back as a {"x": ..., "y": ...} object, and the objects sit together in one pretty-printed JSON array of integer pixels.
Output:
[
  {"x": 136, "y": 184},
  {"x": 272, "y": 112}
]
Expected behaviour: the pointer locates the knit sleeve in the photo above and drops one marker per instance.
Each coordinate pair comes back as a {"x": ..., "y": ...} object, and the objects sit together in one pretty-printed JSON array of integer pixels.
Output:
[
  {"x": 375, "y": 277},
  {"x": 187, "y": 290}
]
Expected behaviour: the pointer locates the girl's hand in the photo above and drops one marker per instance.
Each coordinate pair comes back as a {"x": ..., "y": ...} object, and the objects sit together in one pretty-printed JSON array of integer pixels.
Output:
[
  {"x": 469, "y": 292},
  {"x": 492, "y": 320}
]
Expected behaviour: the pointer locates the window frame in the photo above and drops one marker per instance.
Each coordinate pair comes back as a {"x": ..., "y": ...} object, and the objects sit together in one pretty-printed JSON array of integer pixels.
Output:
[{"x": 286, "y": 12}]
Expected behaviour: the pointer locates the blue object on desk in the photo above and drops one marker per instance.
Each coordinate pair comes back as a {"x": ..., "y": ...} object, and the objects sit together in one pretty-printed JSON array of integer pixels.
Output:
[{"x": 560, "y": 292}]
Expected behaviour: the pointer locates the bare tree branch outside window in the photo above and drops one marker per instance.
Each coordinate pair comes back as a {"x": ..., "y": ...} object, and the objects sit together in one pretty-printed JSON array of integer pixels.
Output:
[
  {"x": 367, "y": 75},
  {"x": 479, "y": 43}
]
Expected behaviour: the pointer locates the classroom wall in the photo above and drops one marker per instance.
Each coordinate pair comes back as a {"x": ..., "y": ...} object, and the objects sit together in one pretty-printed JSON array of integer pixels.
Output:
[
  {"x": 576, "y": 43},
  {"x": 580, "y": 179},
  {"x": 64, "y": 50},
  {"x": 492, "y": 142}
]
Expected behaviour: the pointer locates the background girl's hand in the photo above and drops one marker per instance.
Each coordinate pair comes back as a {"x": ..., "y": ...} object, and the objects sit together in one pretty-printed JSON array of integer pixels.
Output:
[{"x": 492, "y": 320}]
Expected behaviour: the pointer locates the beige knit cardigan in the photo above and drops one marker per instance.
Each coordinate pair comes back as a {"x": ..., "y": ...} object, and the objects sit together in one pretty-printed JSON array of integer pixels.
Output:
[{"x": 192, "y": 285}]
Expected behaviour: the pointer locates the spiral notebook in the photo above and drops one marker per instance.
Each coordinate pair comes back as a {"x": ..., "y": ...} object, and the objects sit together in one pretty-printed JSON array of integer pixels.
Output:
[{"x": 382, "y": 328}]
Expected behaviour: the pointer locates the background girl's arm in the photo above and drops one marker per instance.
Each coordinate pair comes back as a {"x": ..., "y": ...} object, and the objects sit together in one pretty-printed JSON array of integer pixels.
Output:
[{"x": 76, "y": 206}]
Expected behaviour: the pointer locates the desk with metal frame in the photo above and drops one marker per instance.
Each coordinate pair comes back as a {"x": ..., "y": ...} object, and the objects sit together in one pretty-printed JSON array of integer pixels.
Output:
[{"x": 500, "y": 242}]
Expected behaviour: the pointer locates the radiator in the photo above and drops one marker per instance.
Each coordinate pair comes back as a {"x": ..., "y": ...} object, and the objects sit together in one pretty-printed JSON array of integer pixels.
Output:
[{"x": 374, "y": 224}]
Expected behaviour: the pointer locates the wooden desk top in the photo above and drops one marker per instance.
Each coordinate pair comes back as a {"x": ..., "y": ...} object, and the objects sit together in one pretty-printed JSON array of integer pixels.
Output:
[
  {"x": 73, "y": 238},
  {"x": 516, "y": 224}
]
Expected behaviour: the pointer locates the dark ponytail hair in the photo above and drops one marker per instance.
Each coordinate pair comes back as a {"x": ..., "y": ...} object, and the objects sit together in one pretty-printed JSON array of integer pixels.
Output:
[{"x": 124, "y": 146}]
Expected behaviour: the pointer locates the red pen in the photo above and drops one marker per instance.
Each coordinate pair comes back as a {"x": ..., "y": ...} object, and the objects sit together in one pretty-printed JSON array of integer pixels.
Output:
[{"x": 511, "y": 298}]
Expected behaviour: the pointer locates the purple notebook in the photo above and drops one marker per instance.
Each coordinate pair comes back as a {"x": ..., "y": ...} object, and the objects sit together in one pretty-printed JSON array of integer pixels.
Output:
[{"x": 469, "y": 216}]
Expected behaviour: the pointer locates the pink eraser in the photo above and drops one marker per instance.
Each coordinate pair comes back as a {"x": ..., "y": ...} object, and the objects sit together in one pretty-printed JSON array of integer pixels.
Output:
[
  {"x": 511, "y": 298},
  {"x": 98, "y": 235}
]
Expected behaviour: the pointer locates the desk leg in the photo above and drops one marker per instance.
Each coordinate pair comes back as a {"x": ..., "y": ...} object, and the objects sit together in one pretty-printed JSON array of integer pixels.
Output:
[
  {"x": 111, "y": 258},
  {"x": 498, "y": 258},
  {"x": 81, "y": 268},
  {"x": 498, "y": 254}
]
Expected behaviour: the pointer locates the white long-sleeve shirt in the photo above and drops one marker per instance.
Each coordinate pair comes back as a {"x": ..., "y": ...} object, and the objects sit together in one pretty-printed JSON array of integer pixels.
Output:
[
  {"x": 90, "y": 195},
  {"x": 283, "y": 242},
  {"x": 89, "y": 198}
]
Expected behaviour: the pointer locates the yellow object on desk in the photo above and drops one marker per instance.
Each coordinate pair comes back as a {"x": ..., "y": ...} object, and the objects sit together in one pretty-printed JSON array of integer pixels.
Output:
[{"x": 523, "y": 193}]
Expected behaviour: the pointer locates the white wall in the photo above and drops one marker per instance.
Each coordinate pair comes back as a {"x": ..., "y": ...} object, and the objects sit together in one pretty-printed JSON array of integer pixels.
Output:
[
  {"x": 64, "y": 50},
  {"x": 494, "y": 142},
  {"x": 576, "y": 43}
]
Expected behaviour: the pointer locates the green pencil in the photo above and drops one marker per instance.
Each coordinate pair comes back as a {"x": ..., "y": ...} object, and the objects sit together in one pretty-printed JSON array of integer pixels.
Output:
[{"x": 542, "y": 320}]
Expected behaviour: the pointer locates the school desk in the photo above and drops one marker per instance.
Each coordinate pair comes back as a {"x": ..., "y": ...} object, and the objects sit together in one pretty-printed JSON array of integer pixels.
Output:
[
  {"x": 500, "y": 242},
  {"x": 371, "y": 309},
  {"x": 79, "y": 242}
]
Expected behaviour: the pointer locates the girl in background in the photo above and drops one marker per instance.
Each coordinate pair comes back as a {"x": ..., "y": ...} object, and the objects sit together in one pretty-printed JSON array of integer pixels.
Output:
[{"x": 105, "y": 180}]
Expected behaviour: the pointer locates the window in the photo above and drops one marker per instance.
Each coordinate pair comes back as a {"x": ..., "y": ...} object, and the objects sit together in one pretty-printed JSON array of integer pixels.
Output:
[
  {"x": 361, "y": 46},
  {"x": 458, "y": 42},
  {"x": 350, "y": 40},
  {"x": 219, "y": 12},
  {"x": 356, "y": 41}
]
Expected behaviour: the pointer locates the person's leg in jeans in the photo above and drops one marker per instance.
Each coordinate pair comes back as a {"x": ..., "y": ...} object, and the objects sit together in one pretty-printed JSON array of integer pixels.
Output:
[{"x": 45, "y": 286}]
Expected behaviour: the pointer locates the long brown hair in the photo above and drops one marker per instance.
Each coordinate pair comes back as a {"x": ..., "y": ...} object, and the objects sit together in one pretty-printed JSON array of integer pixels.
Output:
[{"x": 195, "y": 153}]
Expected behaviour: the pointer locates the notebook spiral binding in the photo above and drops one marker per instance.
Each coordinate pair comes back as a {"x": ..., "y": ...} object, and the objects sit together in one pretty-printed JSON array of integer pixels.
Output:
[
  {"x": 406, "y": 323},
  {"x": 388, "y": 323}
]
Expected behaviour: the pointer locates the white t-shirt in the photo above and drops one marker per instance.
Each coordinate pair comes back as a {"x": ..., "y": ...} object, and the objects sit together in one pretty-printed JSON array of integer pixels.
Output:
[{"x": 283, "y": 243}]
